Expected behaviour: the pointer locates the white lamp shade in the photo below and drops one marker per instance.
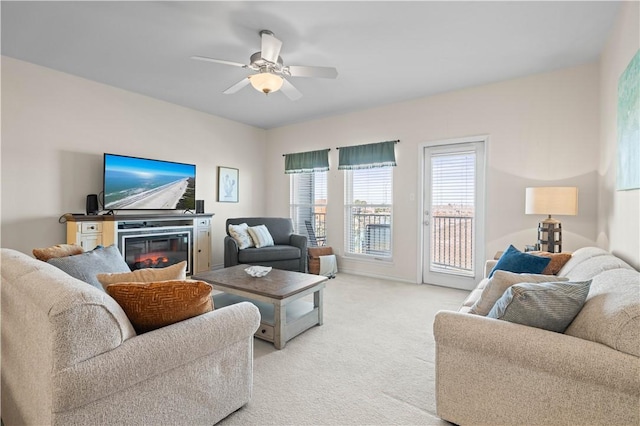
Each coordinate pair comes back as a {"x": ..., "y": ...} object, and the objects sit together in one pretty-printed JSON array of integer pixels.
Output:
[
  {"x": 266, "y": 82},
  {"x": 558, "y": 200}
]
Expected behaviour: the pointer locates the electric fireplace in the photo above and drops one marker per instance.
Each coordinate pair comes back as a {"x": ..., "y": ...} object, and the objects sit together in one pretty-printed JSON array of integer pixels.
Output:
[{"x": 156, "y": 248}]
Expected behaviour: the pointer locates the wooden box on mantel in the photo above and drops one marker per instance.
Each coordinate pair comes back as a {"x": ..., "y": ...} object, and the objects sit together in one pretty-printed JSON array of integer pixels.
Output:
[{"x": 314, "y": 254}]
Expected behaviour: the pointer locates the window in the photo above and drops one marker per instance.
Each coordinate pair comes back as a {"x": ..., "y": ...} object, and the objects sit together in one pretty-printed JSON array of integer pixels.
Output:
[
  {"x": 453, "y": 183},
  {"x": 368, "y": 212},
  {"x": 308, "y": 203}
]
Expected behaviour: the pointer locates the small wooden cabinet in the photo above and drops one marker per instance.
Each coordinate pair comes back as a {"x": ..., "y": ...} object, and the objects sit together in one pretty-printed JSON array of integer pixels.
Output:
[
  {"x": 88, "y": 234},
  {"x": 91, "y": 231},
  {"x": 203, "y": 244}
]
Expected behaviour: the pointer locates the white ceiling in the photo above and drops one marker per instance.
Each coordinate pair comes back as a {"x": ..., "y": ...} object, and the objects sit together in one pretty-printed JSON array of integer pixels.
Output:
[{"x": 385, "y": 52}]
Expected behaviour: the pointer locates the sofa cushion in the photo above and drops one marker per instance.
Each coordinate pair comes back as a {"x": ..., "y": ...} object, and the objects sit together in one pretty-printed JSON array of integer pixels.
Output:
[
  {"x": 513, "y": 260},
  {"x": 611, "y": 314},
  {"x": 268, "y": 254},
  {"x": 240, "y": 233},
  {"x": 260, "y": 236},
  {"x": 495, "y": 287},
  {"x": 474, "y": 296},
  {"x": 59, "y": 250},
  {"x": 87, "y": 266},
  {"x": 584, "y": 254},
  {"x": 550, "y": 306},
  {"x": 593, "y": 266},
  {"x": 558, "y": 260},
  {"x": 157, "y": 304},
  {"x": 147, "y": 275}
]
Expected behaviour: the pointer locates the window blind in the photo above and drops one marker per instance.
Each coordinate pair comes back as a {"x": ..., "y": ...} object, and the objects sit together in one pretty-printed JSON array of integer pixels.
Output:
[
  {"x": 368, "y": 211},
  {"x": 453, "y": 179},
  {"x": 308, "y": 202}
]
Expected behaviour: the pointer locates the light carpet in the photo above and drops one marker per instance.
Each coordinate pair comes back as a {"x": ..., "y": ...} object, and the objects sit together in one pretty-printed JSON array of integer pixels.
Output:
[{"x": 370, "y": 363}]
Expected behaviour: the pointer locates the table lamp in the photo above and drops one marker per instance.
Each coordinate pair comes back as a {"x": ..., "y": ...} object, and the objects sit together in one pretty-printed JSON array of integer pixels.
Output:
[{"x": 551, "y": 200}]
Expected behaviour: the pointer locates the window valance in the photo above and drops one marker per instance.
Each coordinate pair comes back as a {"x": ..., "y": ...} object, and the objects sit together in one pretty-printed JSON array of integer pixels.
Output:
[
  {"x": 307, "y": 162},
  {"x": 368, "y": 156}
]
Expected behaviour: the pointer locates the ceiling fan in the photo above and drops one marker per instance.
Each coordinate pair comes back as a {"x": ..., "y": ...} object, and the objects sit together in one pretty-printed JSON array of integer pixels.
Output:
[{"x": 271, "y": 71}]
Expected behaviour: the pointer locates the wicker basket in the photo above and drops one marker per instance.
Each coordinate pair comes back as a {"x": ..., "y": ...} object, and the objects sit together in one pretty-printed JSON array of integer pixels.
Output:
[{"x": 314, "y": 257}]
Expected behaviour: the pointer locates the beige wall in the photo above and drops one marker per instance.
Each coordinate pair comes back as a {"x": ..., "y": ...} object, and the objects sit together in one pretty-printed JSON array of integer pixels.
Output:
[
  {"x": 556, "y": 128},
  {"x": 619, "y": 211},
  {"x": 543, "y": 130},
  {"x": 55, "y": 128}
]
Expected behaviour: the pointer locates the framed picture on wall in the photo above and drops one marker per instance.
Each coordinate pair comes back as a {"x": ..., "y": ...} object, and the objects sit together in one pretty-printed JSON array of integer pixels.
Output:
[
  {"x": 228, "y": 184},
  {"x": 628, "y": 164}
]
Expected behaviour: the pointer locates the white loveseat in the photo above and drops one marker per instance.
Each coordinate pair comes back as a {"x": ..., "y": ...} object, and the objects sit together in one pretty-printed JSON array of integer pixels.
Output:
[
  {"x": 491, "y": 372},
  {"x": 70, "y": 356}
]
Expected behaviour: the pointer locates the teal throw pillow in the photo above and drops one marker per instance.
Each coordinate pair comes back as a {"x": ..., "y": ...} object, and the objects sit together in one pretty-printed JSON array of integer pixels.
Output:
[
  {"x": 550, "y": 306},
  {"x": 513, "y": 260},
  {"x": 87, "y": 266}
]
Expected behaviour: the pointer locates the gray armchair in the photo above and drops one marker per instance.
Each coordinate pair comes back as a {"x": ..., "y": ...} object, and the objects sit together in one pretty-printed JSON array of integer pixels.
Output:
[{"x": 289, "y": 251}]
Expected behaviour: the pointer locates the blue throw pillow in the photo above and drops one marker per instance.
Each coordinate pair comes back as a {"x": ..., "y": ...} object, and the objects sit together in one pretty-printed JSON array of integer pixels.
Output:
[
  {"x": 550, "y": 306},
  {"x": 513, "y": 260},
  {"x": 87, "y": 266}
]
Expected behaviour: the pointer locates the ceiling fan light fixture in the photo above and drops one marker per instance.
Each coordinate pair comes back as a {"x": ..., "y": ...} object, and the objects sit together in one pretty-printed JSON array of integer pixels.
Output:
[{"x": 266, "y": 82}]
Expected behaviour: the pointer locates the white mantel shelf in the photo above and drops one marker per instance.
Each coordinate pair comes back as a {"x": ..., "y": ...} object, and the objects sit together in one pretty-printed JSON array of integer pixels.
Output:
[{"x": 124, "y": 217}]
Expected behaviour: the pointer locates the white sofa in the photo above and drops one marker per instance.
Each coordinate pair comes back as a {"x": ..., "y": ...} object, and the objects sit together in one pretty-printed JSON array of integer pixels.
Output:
[
  {"x": 491, "y": 372},
  {"x": 70, "y": 356}
]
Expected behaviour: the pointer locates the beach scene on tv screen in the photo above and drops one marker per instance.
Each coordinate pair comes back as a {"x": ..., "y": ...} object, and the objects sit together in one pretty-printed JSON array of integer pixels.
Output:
[{"x": 137, "y": 183}]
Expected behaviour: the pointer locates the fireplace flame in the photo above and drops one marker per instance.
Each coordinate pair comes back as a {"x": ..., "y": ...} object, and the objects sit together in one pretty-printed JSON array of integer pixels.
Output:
[{"x": 152, "y": 260}]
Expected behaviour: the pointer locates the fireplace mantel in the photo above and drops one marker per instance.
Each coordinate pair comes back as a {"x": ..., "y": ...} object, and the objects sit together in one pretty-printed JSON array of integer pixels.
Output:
[
  {"x": 89, "y": 231},
  {"x": 125, "y": 217}
]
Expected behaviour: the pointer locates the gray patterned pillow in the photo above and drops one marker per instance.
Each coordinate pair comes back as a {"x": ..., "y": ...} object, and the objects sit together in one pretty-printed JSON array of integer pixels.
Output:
[
  {"x": 551, "y": 306},
  {"x": 87, "y": 266},
  {"x": 500, "y": 282}
]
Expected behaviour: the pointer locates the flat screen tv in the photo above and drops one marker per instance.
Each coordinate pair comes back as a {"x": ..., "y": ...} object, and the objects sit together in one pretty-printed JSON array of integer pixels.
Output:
[{"x": 132, "y": 183}]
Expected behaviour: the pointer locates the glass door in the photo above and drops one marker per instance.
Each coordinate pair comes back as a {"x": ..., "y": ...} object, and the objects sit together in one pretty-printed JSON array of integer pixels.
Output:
[{"x": 453, "y": 237}]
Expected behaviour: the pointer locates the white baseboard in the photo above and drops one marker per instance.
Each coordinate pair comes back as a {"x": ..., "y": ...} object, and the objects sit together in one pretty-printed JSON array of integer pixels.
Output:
[{"x": 378, "y": 276}]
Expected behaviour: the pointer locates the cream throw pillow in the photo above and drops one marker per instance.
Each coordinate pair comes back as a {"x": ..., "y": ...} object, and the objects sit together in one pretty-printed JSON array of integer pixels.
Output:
[
  {"x": 147, "y": 275},
  {"x": 240, "y": 233},
  {"x": 500, "y": 282},
  {"x": 261, "y": 236}
]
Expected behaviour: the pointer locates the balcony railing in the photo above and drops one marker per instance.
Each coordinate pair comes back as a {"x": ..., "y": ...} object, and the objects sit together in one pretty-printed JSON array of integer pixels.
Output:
[
  {"x": 451, "y": 238},
  {"x": 371, "y": 234},
  {"x": 452, "y": 242},
  {"x": 319, "y": 227}
]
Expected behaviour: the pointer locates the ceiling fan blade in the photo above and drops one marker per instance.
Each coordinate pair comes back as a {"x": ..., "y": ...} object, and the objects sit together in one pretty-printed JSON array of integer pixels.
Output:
[
  {"x": 302, "y": 71},
  {"x": 219, "y": 61},
  {"x": 270, "y": 47},
  {"x": 239, "y": 85},
  {"x": 290, "y": 91}
]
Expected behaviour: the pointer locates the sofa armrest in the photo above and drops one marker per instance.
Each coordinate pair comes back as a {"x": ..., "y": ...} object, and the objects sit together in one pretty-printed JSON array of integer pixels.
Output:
[
  {"x": 300, "y": 241},
  {"x": 532, "y": 348},
  {"x": 488, "y": 266},
  {"x": 230, "y": 252},
  {"x": 152, "y": 354}
]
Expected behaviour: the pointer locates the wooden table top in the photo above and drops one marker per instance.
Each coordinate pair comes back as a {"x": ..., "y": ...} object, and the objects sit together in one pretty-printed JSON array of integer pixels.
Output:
[{"x": 277, "y": 284}]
